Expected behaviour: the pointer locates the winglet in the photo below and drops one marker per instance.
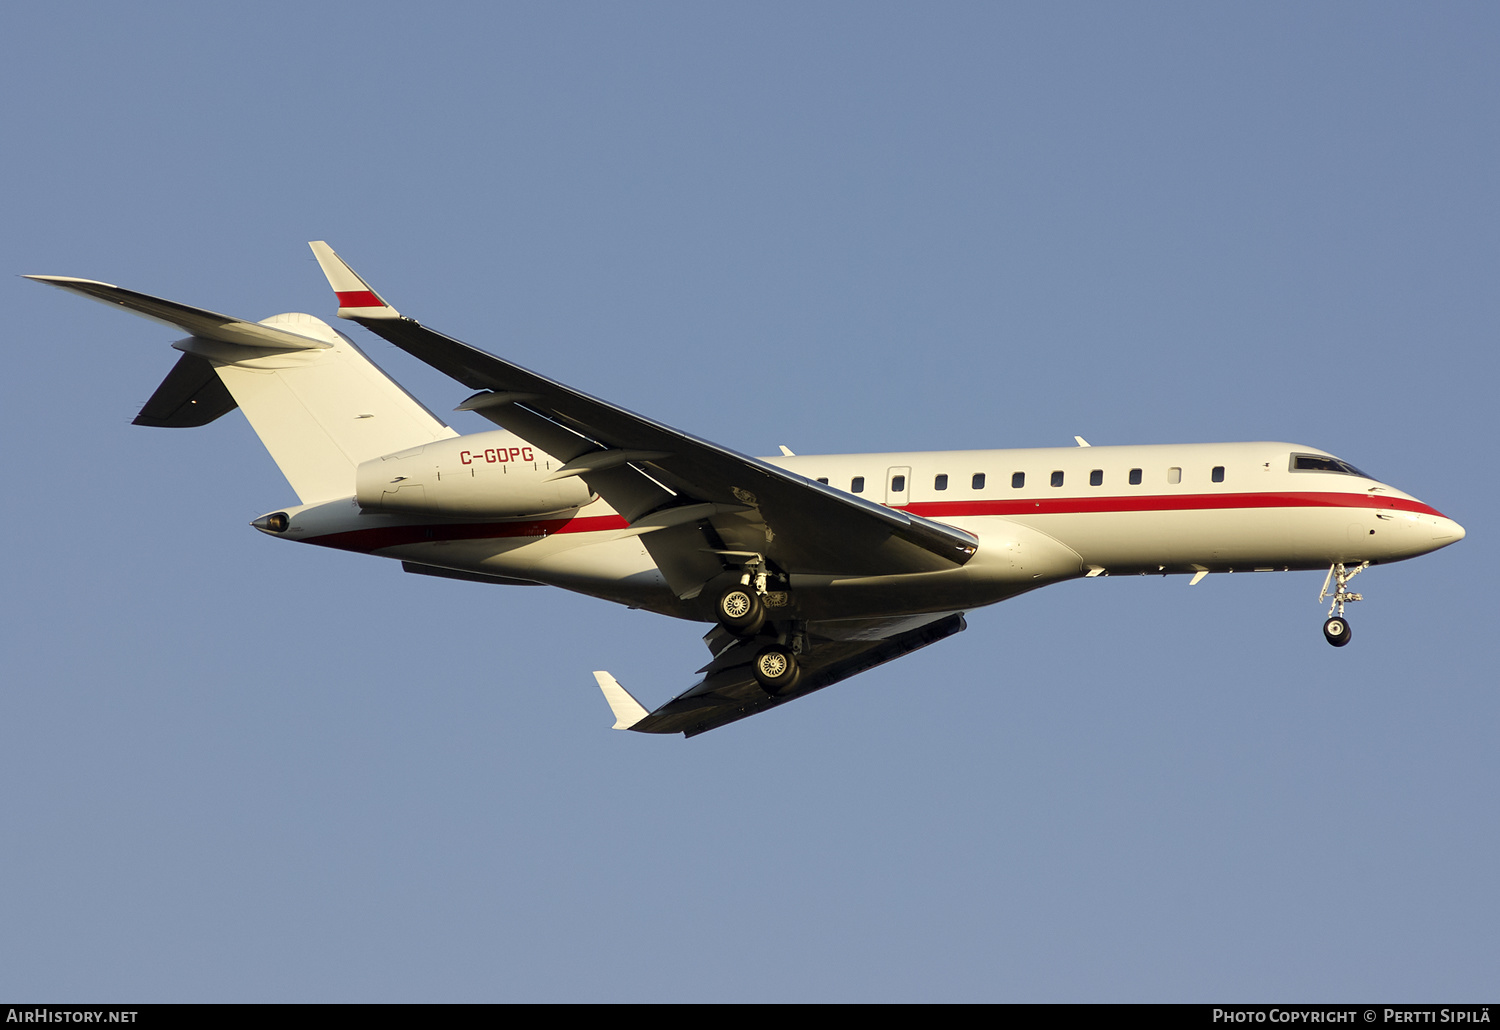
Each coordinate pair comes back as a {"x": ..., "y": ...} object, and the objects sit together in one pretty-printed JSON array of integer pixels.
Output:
[
  {"x": 628, "y": 710},
  {"x": 356, "y": 299}
]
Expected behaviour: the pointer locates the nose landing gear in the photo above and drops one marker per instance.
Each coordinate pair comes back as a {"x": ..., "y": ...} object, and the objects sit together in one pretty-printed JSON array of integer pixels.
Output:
[{"x": 1336, "y": 630}]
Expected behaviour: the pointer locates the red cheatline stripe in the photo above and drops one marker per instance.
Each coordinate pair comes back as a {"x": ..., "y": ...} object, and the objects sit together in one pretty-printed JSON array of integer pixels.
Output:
[
  {"x": 378, "y": 539},
  {"x": 360, "y": 299},
  {"x": 1165, "y": 502}
]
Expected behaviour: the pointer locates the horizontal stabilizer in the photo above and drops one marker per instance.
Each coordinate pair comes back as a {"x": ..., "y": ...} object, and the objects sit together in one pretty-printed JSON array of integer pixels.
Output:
[
  {"x": 192, "y": 395},
  {"x": 628, "y": 711},
  {"x": 206, "y": 325}
]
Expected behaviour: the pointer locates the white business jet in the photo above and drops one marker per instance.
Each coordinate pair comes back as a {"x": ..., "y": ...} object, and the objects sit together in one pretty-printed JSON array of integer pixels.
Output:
[{"x": 812, "y": 568}]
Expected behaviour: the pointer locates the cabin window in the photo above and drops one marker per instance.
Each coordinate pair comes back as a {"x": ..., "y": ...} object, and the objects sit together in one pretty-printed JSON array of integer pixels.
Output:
[
  {"x": 979, "y": 481},
  {"x": 898, "y": 484},
  {"x": 1174, "y": 475},
  {"x": 941, "y": 482},
  {"x": 1017, "y": 480},
  {"x": 823, "y": 480},
  {"x": 1057, "y": 477},
  {"x": 1218, "y": 476},
  {"x": 1096, "y": 477},
  {"x": 857, "y": 485},
  {"x": 1135, "y": 477}
]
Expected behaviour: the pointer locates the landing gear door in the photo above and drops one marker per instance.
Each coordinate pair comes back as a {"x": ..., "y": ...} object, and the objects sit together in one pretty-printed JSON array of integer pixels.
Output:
[{"x": 898, "y": 486}]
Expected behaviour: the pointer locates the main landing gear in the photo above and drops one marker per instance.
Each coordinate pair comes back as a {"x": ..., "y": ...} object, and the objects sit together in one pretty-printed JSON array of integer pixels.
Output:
[
  {"x": 1336, "y": 630},
  {"x": 740, "y": 608},
  {"x": 776, "y": 670}
]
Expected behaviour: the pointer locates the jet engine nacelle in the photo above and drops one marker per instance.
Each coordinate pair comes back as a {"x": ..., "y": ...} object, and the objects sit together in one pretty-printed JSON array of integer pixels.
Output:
[{"x": 494, "y": 475}]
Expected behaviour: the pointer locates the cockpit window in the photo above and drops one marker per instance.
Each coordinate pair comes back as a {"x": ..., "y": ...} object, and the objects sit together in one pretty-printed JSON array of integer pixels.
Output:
[{"x": 1323, "y": 463}]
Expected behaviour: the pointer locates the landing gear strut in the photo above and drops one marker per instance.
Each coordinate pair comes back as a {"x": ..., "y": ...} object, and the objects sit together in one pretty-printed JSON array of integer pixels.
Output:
[{"x": 1336, "y": 630}]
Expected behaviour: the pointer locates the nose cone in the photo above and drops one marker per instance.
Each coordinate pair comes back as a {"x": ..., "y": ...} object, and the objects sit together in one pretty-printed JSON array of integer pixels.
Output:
[
  {"x": 1439, "y": 531},
  {"x": 1408, "y": 534},
  {"x": 1455, "y": 531}
]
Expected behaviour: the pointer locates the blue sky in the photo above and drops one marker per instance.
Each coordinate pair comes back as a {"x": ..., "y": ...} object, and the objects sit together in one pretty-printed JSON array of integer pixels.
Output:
[{"x": 235, "y": 769}]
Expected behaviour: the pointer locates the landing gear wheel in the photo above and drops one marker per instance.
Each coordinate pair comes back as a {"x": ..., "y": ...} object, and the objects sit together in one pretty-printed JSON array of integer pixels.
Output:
[
  {"x": 1337, "y": 632},
  {"x": 776, "y": 670},
  {"x": 740, "y": 612}
]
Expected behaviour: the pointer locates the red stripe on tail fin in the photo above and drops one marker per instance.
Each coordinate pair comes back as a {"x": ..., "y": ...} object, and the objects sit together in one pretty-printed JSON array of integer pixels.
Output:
[{"x": 360, "y": 299}]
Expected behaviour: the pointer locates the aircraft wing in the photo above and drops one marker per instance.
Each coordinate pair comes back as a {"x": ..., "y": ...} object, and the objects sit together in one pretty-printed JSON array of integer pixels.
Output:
[
  {"x": 705, "y": 497},
  {"x": 832, "y": 651}
]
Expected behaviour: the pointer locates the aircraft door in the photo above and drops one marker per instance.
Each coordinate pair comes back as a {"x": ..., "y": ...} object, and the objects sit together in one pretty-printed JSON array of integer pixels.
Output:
[{"x": 898, "y": 486}]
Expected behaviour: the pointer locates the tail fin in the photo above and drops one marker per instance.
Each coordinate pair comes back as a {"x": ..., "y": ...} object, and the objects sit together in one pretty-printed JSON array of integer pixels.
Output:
[{"x": 316, "y": 401}]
